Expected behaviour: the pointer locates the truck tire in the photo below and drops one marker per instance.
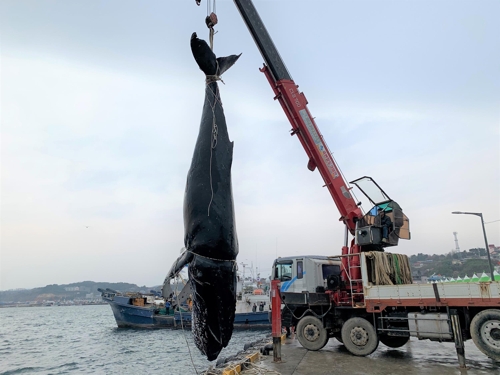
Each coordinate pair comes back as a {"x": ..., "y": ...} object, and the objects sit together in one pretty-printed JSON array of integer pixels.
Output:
[
  {"x": 311, "y": 333},
  {"x": 394, "y": 341},
  {"x": 485, "y": 332},
  {"x": 359, "y": 336}
]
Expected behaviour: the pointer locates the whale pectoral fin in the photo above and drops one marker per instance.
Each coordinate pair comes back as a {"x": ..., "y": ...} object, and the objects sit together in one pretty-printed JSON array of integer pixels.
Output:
[
  {"x": 185, "y": 293},
  {"x": 224, "y": 63},
  {"x": 166, "y": 290},
  {"x": 183, "y": 259}
]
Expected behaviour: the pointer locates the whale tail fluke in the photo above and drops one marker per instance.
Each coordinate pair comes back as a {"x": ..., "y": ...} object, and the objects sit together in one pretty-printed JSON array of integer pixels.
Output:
[
  {"x": 224, "y": 63},
  {"x": 206, "y": 60}
]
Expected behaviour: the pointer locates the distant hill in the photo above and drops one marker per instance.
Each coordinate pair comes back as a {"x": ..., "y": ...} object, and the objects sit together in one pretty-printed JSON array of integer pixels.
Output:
[
  {"x": 72, "y": 291},
  {"x": 453, "y": 264}
]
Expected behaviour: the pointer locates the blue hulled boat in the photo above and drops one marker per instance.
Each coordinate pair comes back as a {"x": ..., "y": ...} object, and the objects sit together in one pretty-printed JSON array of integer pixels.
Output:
[{"x": 137, "y": 310}]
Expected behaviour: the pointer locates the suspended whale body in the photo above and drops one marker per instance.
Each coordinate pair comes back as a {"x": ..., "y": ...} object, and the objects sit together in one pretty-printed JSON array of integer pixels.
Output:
[{"x": 209, "y": 226}]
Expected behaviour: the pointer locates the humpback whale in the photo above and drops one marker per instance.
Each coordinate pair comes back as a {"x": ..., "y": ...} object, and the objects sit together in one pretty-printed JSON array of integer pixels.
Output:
[{"x": 210, "y": 240}]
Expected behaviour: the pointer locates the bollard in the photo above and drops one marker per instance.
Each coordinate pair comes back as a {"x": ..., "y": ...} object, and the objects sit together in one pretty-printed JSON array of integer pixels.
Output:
[
  {"x": 276, "y": 319},
  {"x": 457, "y": 335}
]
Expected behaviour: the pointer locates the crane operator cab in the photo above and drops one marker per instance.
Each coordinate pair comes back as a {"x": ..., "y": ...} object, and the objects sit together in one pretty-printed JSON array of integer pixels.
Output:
[{"x": 385, "y": 223}]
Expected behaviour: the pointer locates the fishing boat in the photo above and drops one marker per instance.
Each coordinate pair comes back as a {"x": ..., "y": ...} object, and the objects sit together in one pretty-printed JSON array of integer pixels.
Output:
[{"x": 139, "y": 310}]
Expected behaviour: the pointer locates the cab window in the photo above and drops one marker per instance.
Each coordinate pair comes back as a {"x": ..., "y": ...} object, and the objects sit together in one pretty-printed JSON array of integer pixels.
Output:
[
  {"x": 283, "y": 271},
  {"x": 330, "y": 269},
  {"x": 300, "y": 269}
]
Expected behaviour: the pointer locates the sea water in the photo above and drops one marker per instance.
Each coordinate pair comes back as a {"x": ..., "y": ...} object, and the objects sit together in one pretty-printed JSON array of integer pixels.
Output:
[{"x": 86, "y": 340}]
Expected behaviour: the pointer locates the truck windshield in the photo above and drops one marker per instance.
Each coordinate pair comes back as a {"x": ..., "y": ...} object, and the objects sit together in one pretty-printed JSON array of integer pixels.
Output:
[{"x": 283, "y": 271}]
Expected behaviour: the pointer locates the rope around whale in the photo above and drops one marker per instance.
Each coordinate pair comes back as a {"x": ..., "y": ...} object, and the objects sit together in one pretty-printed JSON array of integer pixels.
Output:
[
  {"x": 215, "y": 129},
  {"x": 217, "y": 260}
]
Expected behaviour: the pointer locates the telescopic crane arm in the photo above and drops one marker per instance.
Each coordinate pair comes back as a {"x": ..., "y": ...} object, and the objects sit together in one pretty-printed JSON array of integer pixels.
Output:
[
  {"x": 368, "y": 234},
  {"x": 294, "y": 103}
]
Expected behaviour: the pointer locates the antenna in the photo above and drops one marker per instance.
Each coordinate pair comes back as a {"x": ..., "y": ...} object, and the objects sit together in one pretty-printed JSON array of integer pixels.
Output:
[
  {"x": 244, "y": 266},
  {"x": 457, "y": 248}
]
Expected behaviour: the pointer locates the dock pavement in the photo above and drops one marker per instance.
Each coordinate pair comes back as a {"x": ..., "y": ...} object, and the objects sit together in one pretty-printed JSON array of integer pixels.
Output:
[{"x": 415, "y": 358}]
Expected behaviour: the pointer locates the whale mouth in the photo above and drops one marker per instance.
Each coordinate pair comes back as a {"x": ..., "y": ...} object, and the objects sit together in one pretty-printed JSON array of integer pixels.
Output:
[{"x": 213, "y": 285}]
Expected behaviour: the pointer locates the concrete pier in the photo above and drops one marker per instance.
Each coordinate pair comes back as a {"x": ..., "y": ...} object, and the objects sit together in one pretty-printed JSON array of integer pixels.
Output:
[{"x": 415, "y": 358}]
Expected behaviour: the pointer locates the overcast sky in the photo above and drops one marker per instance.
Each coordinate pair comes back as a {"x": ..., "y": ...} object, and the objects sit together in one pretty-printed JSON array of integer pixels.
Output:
[{"x": 101, "y": 103}]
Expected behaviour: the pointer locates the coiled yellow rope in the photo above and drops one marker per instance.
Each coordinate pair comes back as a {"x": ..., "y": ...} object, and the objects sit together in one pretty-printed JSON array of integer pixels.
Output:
[{"x": 389, "y": 269}]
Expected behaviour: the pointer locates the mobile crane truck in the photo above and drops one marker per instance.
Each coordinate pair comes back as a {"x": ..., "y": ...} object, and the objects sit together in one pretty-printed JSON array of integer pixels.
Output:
[{"x": 365, "y": 295}]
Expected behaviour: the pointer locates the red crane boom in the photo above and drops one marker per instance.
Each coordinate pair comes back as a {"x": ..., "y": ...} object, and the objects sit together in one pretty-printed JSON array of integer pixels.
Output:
[{"x": 294, "y": 103}]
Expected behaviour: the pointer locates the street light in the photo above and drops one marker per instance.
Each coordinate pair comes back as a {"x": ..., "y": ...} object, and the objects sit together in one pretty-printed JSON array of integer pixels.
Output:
[{"x": 492, "y": 270}]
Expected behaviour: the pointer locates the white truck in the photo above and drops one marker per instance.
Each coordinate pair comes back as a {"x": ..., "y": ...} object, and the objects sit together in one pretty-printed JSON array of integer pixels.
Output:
[{"x": 320, "y": 305}]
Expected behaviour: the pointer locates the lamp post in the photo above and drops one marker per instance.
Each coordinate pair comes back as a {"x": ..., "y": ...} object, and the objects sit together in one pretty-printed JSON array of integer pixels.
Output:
[{"x": 492, "y": 270}]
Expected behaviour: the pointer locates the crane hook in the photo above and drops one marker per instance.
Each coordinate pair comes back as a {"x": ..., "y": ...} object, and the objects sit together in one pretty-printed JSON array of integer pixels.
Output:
[{"x": 211, "y": 20}]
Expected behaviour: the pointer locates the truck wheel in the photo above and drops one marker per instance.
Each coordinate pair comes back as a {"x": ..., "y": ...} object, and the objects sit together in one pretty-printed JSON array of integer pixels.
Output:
[
  {"x": 394, "y": 341},
  {"x": 311, "y": 333},
  {"x": 359, "y": 336},
  {"x": 485, "y": 332}
]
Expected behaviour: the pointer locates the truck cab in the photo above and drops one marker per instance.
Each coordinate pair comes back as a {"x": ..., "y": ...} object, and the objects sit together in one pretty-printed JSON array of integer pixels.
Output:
[{"x": 292, "y": 271}]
